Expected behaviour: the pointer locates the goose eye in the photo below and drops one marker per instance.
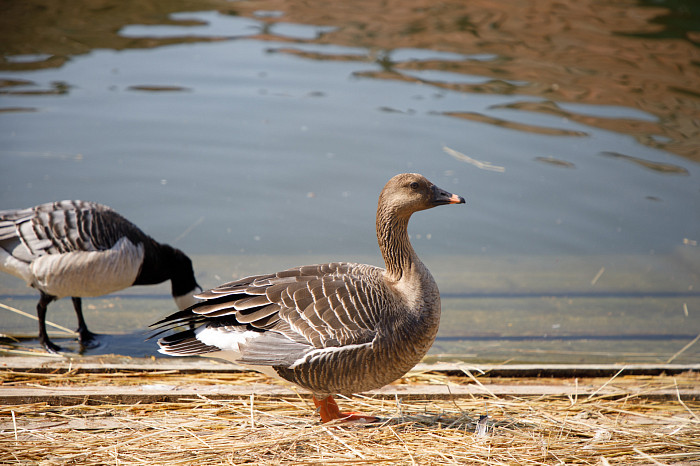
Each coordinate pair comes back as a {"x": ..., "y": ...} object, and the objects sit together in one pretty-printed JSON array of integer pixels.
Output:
[{"x": 414, "y": 185}]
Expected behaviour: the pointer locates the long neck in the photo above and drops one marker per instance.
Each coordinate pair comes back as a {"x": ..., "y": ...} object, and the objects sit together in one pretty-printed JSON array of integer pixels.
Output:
[{"x": 392, "y": 236}]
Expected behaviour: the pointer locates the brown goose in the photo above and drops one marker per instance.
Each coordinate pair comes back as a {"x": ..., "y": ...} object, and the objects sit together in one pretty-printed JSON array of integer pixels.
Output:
[
  {"x": 337, "y": 328},
  {"x": 80, "y": 249}
]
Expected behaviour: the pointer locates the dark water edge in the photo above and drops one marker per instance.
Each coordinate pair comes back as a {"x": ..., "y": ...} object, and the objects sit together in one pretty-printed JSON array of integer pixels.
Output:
[
  {"x": 572, "y": 349},
  {"x": 640, "y": 55}
]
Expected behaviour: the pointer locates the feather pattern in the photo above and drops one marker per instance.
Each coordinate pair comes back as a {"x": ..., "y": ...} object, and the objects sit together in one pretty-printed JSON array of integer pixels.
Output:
[
  {"x": 331, "y": 328},
  {"x": 78, "y": 249}
]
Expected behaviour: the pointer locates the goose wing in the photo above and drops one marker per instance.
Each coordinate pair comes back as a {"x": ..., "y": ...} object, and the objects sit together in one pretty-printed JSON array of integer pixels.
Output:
[
  {"x": 61, "y": 227},
  {"x": 289, "y": 312}
]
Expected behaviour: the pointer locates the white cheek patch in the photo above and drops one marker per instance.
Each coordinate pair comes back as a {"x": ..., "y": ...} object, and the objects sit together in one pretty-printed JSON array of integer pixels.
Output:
[{"x": 187, "y": 300}]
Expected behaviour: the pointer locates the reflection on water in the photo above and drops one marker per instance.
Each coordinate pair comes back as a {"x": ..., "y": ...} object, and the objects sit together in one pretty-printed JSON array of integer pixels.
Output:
[
  {"x": 28, "y": 88},
  {"x": 135, "y": 345},
  {"x": 515, "y": 125},
  {"x": 555, "y": 162},
  {"x": 207, "y": 25},
  {"x": 158, "y": 88},
  {"x": 678, "y": 18},
  {"x": 656, "y": 166},
  {"x": 263, "y": 129},
  {"x": 642, "y": 126},
  {"x": 585, "y": 52}
]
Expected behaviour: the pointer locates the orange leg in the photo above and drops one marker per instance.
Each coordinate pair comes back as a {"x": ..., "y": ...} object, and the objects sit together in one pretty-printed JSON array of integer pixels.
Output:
[{"x": 329, "y": 411}]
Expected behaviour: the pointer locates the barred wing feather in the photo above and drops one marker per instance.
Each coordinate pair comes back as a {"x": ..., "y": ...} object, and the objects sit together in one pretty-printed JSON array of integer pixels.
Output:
[
  {"x": 61, "y": 227},
  {"x": 300, "y": 309}
]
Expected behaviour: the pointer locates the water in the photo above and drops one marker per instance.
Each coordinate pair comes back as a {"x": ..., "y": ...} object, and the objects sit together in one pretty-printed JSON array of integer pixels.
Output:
[{"x": 261, "y": 141}]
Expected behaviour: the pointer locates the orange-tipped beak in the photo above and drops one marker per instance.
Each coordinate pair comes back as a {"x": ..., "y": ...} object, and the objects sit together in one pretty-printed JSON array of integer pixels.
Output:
[
  {"x": 455, "y": 199},
  {"x": 442, "y": 197}
]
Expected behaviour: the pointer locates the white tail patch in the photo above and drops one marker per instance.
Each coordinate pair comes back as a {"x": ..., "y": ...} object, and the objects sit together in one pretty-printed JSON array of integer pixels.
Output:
[
  {"x": 229, "y": 342},
  {"x": 225, "y": 339}
]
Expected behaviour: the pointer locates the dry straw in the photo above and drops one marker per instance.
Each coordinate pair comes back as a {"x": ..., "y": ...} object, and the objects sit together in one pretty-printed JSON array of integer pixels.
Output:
[{"x": 491, "y": 430}]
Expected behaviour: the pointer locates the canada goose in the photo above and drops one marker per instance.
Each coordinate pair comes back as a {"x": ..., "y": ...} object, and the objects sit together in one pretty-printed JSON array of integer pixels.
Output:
[
  {"x": 80, "y": 249},
  {"x": 337, "y": 328}
]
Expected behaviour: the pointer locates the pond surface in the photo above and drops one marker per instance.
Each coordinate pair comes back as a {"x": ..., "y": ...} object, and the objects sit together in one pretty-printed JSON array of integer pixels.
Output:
[{"x": 256, "y": 138}]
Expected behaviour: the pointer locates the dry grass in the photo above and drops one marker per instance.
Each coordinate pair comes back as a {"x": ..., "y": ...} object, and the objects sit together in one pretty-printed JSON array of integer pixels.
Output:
[{"x": 533, "y": 430}]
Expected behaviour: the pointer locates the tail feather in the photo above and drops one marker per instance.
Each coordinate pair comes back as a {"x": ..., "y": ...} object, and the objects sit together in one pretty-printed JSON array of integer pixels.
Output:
[
  {"x": 178, "y": 319},
  {"x": 184, "y": 344}
]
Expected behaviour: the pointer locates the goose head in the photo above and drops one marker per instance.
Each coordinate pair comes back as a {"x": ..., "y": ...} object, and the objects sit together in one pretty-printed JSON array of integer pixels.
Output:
[{"x": 407, "y": 193}]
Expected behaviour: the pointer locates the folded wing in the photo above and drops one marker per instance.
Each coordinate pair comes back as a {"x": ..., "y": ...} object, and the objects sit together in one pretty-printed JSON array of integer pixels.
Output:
[{"x": 276, "y": 319}]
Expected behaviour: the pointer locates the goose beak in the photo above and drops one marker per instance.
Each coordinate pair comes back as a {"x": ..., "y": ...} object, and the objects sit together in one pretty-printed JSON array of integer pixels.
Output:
[
  {"x": 455, "y": 199},
  {"x": 442, "y": 197}
]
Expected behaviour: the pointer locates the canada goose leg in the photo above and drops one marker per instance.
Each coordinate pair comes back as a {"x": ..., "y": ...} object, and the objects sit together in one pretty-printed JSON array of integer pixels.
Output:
[
  {"x": 329, "y": 411},
  {"x": 85, "y": 336},
  {"x": 44, "y": 302}
]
